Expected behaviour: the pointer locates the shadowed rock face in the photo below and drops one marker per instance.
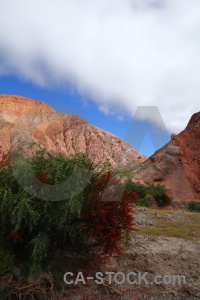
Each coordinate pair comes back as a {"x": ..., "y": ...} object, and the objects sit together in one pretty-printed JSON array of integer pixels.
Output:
[
  {"x": 177, "y": 164},
  {"x": 23, "y": 121}
]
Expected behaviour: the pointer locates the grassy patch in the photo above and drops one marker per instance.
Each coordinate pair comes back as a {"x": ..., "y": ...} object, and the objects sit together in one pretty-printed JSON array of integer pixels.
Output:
[{"x": 189, "y": 230}]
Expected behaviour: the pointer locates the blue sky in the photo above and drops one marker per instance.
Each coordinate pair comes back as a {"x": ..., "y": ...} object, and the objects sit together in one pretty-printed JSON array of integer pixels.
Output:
[
  {"x": 68, "y": 101},
  {"x": 104, "y": 59}
]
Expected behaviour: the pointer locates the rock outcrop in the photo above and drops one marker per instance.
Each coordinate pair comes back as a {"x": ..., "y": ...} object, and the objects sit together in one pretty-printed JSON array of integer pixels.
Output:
[
  {"x": 24, "y": 121},
  {"x": 177, "y": 164}
]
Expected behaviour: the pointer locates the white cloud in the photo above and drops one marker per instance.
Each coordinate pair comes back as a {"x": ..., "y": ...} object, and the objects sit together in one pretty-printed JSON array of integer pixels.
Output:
[
  {"x": 106, "y": 110},
  {"x": 122, "y": 53}
]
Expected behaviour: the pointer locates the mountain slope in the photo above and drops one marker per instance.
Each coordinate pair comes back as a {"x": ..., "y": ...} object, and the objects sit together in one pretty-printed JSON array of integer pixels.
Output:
[
  {"x": 177, "y": 164},
  {"x": 23, "y": 121}
]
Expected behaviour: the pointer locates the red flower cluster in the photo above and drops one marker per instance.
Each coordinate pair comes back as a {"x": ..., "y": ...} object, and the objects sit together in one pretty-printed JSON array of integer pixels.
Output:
[{"x": 108, "y": 215}]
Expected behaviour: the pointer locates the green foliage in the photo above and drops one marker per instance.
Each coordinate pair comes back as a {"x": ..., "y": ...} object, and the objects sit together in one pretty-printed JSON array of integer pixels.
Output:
[
  {"x": 58, "y": 276},
  {"x": 40, "y": 246},
  {"x": 6, "y": 261},
  {"x": 158, "y": 192},
  {"x": 194, "y": 206},
  {"x": 34, "y": 229}
]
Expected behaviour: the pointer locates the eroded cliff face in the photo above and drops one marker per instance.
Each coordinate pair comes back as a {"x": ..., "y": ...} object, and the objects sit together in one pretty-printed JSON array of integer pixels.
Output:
[
  {"x": 177, "y": 164},
  {"x": 24, "y": 121}
]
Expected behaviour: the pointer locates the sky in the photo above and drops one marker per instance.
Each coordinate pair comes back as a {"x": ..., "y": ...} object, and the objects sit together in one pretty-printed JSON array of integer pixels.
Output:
[{"x": 131, "y": 67}]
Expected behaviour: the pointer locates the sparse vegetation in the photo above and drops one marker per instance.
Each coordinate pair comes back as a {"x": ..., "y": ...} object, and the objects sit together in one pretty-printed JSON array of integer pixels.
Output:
[
  {"x": 35, "y": 232},
  {"x": 189, "y": 230},
  {"x": 194, "y": 206},
  {"x": 145, "y": 191},
  {"x": 32, "y": 228}
]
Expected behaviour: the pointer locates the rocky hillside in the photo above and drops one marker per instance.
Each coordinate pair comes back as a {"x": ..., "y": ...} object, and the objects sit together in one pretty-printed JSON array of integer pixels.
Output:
[
  {"x": 24, "y": 121},
  {"x": 177, "y": 164}
]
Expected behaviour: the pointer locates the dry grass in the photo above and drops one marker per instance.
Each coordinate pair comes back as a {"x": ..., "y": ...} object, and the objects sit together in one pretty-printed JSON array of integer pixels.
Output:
[{"x": 189, "y": 229}]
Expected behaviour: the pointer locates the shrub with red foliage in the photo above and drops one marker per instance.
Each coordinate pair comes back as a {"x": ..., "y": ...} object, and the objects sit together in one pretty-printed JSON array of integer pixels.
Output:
[
  {"x": 42, "y": 176},
  {"x": 5, "y": 160},
  {"x": 93, "y": 221},
  {"x": 107, "y": 214}
]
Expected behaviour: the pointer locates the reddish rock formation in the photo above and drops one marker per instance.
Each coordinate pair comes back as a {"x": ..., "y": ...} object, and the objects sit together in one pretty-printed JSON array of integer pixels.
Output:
[
  {"x": 177, "y": 164},
  {"x": 23, "y": 121}
]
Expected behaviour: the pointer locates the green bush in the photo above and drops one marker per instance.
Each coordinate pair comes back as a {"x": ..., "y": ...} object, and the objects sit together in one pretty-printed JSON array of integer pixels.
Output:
[
  {"x": 194, "y": 206},
  {"x": 158, "y": 192},
  {"x": 6, "y": 260},
  {"x": 33, "y": 229}
]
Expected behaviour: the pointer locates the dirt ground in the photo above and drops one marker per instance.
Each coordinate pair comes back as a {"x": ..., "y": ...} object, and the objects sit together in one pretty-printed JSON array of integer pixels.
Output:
[
  {"x": 157, "y": 254},
  {"x": 167, "y": 245}
]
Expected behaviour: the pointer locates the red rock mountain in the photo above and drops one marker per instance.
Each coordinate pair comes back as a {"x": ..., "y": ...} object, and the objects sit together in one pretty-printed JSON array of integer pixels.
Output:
[
  {"x": 23, "y": 121},
  {"x": 177, "y": 164}
]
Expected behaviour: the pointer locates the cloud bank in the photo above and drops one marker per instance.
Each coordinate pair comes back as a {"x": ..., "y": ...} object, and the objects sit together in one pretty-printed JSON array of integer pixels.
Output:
[{"x": 120, "y": 53}]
